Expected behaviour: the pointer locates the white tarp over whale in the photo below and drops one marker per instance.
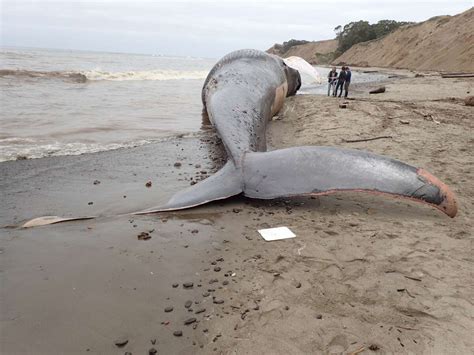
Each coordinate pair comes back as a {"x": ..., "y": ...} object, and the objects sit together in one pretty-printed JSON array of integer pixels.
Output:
[{"x": 306, "y": 70}]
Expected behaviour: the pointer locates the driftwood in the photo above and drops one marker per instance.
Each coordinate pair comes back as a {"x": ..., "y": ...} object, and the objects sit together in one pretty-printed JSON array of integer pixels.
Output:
[
  {"x": 457, "y": 75},
  {"x": 366, "y": 139},
  {"x": 378, "y": 91}
]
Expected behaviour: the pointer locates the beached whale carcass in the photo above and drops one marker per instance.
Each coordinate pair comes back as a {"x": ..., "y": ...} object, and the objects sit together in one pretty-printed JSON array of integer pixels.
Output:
[{"x": 241, "y": 94}]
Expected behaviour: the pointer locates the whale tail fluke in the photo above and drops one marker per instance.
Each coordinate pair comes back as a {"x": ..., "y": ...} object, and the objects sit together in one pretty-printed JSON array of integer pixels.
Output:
[
  {"x": 325, "y": 170},
  {"x": 225, "y": 183},
  {"x": 306, "y": 171}
]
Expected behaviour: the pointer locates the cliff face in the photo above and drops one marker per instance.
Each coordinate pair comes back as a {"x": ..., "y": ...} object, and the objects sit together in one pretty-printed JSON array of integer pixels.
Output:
[
  {"x": 444, "y": 43},
  {"x": 319, "y": 52}
]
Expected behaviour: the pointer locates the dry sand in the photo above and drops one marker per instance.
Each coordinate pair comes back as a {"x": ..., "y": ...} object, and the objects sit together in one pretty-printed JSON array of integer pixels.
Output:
[{"x": 364, "y": 272}]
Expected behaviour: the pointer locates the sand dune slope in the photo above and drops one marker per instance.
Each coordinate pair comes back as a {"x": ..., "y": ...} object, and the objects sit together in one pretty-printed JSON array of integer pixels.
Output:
[{"x": 444, "y": 43}]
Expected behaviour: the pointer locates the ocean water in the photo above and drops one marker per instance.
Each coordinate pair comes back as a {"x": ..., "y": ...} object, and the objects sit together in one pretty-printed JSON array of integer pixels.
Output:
[{"x": 63, "y": 102}]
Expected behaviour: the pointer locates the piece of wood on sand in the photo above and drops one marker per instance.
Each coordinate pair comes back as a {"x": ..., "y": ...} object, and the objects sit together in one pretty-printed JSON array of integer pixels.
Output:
[
  {"x": 378, "y": 90},
  {"x": 366, "y": 139},
  {"x": 457, "y": 75}
]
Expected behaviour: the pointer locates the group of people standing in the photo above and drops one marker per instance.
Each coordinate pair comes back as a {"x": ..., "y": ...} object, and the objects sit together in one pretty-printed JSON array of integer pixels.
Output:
[{"x": 336, "y": 82}]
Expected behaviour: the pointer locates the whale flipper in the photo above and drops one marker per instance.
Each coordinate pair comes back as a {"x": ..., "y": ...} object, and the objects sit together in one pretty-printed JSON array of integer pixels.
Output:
[
  {"x": 325, "y": 170},
  {"x": 225, "y": 183}
]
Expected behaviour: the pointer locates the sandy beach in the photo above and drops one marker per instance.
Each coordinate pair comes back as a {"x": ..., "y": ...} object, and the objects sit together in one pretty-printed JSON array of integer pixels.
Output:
[{"x": 365, "y": 274}]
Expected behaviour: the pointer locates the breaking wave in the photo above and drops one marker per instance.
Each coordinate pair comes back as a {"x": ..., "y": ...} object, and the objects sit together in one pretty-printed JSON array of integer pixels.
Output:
[
  {"x": 95, "y": 75},
  {"x": 146, "y": 75}
]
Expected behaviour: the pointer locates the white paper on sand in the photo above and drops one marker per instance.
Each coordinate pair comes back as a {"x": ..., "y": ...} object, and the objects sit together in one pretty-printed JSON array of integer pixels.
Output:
[{"x": 278, "y": 233}]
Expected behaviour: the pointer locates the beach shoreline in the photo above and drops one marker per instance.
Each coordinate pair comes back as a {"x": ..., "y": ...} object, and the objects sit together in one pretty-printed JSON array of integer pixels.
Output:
[{"x": 364, "y": 272}]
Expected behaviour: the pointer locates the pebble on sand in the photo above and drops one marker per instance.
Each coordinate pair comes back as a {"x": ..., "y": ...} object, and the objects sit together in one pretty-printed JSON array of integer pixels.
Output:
[
  {"x": 178, "y": 333},
  {"x": 168, "y": 309},
  {"x": 148, "y": 184},
  {"x": 175, "y": 285},
  {"x": 189, "y": 321},
  {"x": 144, "y": 236},
  {"x": 177, "y": 164},
  {"x": 188, "y": 304},
  {"x": 121, "y": 342},
  {"x": 152, "y": 351},
  {"x": 188, "y": 284}
]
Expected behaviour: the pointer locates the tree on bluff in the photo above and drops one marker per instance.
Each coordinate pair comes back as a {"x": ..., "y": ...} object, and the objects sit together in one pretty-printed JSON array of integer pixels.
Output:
[{"x": 362, "y": 31}]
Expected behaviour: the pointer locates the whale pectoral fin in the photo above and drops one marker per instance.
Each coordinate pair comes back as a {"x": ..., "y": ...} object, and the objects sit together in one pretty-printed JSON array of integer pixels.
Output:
[
  {"x": 325, "y": 170},
  {"x": 225, "y": 183}
]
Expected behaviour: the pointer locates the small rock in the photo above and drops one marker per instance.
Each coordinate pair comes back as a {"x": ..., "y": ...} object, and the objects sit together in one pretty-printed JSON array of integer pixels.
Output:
[
  {"x": 419, "y": 75},
  {"x": 469, "y": 101},
  {"x": 188, "y": 284},
  {"x": 144, "y": 236},
  {"x": 148, "y": 184},
  {"x": 168, "y": 309},
  {"x": 374, "y": 347},
  {"x": 90, "y": 203},
  {"x": 194, "y": 231},
  {"x": 206, "y": 294},
  {"x": 178, "y": 333},
  {"x": 175, "y": 285},
  {"x": 177, "y": 164},
  {"x": 96, "y": 182},
  {"x": 225, "y": 282},
  {"x": 404, "y": 122},
  {"x": 319, "y": 316},
  {"x": 188, "y": 304},
  {"x": 153, "y": 341},
  {"x": 287, "y": 308},
  {"x": 236, "y": 210},
  {"x": 342, "y": 106},
  {"x": 298, "y": 284},
  {"x": 197, "y": 166},
  {"x": 217, "y": 269},
  {"x": 152, "y": 351},
  {"x": 200, "y": 310},
  {"x": 189, "y": 321},
  {"x": 218, "y": 301},
  {"x": 121, "y": 342}
]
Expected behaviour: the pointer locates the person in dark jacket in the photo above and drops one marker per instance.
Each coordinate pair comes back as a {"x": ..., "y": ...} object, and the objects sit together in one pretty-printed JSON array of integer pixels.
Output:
[
  {"x": 340, "y": 81},
  {"x": 347, "y": 82},
  {"x": 332, "y": 79}
]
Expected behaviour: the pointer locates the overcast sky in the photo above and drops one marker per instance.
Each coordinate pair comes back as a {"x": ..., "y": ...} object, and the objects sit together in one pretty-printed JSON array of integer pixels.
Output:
[{"x": 195, "y": 28}]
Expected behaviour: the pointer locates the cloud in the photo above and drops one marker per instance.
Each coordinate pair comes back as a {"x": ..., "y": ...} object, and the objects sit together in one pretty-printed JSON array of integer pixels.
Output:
[{"x": 200, "y": 28}]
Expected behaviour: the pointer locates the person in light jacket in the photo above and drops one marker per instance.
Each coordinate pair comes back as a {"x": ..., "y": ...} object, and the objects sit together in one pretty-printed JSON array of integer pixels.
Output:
[{"x": 332, "y": 79}]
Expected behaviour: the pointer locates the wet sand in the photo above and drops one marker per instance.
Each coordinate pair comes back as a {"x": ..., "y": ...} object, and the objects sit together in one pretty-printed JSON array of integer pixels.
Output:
[{"x": 364, "y": 272}]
